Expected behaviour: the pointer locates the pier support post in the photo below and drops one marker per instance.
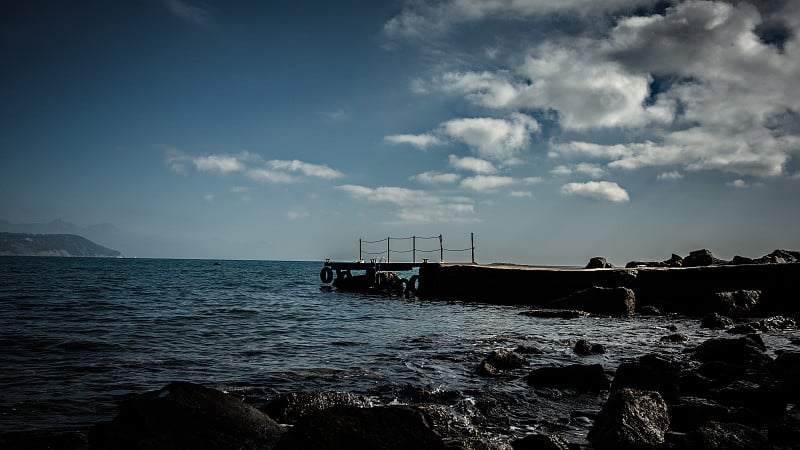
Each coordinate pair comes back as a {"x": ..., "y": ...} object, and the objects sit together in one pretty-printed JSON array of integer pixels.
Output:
[
  {"x": 472, "y": 245},
  {"x": 441, "y": 249}
]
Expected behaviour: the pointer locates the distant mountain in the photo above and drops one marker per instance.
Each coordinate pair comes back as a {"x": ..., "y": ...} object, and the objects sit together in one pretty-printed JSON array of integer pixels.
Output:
[{"x": 25, "y": 244}]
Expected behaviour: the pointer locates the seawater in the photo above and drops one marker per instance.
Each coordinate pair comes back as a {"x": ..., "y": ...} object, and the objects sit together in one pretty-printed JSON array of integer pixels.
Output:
[{"x": 77, "y": 334}]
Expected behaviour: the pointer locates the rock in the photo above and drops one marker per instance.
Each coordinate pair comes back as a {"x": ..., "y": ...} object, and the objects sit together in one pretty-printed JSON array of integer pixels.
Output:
[
  {"x": 527, "y": 349},
  {"x": 715, "y": 320},
  {"x": 650, "y": 372},
  {"x": 675, "y": 337},
  {"x": 587, "y": 377},
  {"x": 290, "y": 407},
  {"x": 737, "y": 303},
  {"x": 746, "y": 350},
  {"x": 767, "y": 325},
  {"x": 739, "y": 260},
  {"x": 44, "y": 439},
  {"x": 673, "y": 261},
  {"x": 500, "y": 359},
  {"x": 540, "y": 442},
  {"x": 555, "y": 314},
  {"x": 729, "y": 436},
  {"x": 350, "y": 427},
  {"x": 599, "y": 300},
  {"x": 649, "y": 310},
  {"x": 598, "y": 262},
  {"x": 186, "y": 415},
  {"x": 630, "y": 419},
  {"x": 787, "y": 368},
  {"x": 691, "y": 412},
  {"x": 585, "y": 348},
  {"x": 780, "y": 257},
  {"x": 699, "y": 258},
  {"x": 417, "y": 394}
]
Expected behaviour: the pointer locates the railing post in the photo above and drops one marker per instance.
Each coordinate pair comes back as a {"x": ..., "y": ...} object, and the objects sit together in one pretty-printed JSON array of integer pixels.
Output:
[
  {"x": 360, "y": 253},
  {"x": 441, "y": 249},
  {"x": 388, "y": 248},
  {"x": 413, "y": 249},
  {"x": 472, "y": 244}
]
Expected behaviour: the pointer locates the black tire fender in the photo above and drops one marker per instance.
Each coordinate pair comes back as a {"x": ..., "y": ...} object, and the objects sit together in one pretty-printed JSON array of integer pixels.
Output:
[
  {"x": 326, "y": 275},
  {"x": 413, "y": 284}
]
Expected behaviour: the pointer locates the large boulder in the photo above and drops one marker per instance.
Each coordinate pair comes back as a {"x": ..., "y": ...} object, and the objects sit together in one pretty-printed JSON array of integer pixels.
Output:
[
  {"x": 598, "y": 262},
  {"x": 599, "y": 300},
  {"x": 630, "y": 419},
  {"x": 716, "y": 321},
  {"x": 737, "y": 303},
  {"x": 766, "y": 325},
  {"x": 744, "y": 351},
  {"x": 586, "y": 348},
  {"x": 186, "y": 415},
  {"x": 650, "y": 372},
  {"x": 350, "y": 427},
  {"x": 698, "y": 258},
  {"x": 587, "y": 377},
  {"x": 290, "y": 407},
  {"x": 779, "y": 257},
  {"x": 728, "y": 435}
]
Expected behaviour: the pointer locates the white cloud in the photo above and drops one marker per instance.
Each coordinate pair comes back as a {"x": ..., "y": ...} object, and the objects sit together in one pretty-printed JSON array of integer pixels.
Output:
[
  {"x": 483, "y": 183},
  {"x": 209, "y": 198},
  {"x": 270, "y": 176},
  {"x": 218, "y": 163},
  {"x": 593, "y": 170},
  {"x": 337, "y": 115},
  {"x": 421, "y": 141},
  {"x": 434, "y": 177},
  {"x": 308, "y": 169},
  {"x": 415, "y": 206},
  {"x": 297, "y": 214},
  {"x": 532, "y": 180},
  {"x": 738, "y": 183},
  {"x": 176, "y": 159},
  {"x": 599, "y": 190},
  {"x": 495, "y": 139},
  {"x": 470, "y": 163},
  {"x": 673, "y": 175},
  {"x": 521, "y": 194},
  {"x": 189, "y": 12}
]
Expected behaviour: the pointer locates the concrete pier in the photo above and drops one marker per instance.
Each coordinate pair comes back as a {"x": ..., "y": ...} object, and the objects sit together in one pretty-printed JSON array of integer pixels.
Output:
[{"x": 684, "y": 290}]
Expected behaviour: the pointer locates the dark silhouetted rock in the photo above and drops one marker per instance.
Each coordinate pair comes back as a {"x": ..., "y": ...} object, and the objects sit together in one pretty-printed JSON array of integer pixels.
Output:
[
  {"x": 737, "y": 303},
  {"x": 715, "y": 321},
  {"x": 499, "y": 360},
  {"x": 767, "y": 325},
  {"x": 630, "y": 419},
  {"x": 699, "y": 258},
  {"x": 588, "y": 377},
  {"x": 598, "y": 262},
  {"x": 540, "y": 442},
  {"x": 787, "y": 368},
  {"x": 44, "y": 440},
  {"x": 350, "y": 427},
  {"x": 585, "y": 348},
  {"x": 651, "y": 373},
  {"x": 649, "y": 310},
  {"x": 599, "y": 300},
  {"x": 691, "y": 412},
  {"x": 673, "y": 261},
  {"x": 739, "y": 260},
  {"x": 185, "y": 415},
  {"x": 780, "y": 257},
  {"x": 527, "y": 349},
  {"x": 746, "y": 350},
  {"x": 728, "y": 436},
  {"x": 290, "y": 407},
  {"x": 416, "y": 394},
  {"x": 675, "y": 337}
]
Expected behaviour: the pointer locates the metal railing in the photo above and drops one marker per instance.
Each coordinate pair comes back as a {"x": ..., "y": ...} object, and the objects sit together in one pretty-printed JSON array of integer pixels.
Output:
[{"x": 388, "y": 251}]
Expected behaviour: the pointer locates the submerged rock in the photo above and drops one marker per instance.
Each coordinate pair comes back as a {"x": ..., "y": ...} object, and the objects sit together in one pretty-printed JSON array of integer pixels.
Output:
[
  {"x": 555, "y": 314},
  {"x": 290, "y": 407},
  {"x": 716, "y": 321},
  {"x": 499, "y": 360},
  {"x": 767, "y": 325},
  {"x": 586, "y": 348}
]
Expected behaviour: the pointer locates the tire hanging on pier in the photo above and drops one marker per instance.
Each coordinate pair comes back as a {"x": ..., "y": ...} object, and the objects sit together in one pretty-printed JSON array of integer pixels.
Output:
[
  {"x": 411, "y": 286},
  {"x": 326, "y": 275}
]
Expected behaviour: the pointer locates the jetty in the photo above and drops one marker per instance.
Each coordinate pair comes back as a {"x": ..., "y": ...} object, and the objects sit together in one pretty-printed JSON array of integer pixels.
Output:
[{"x": 699, "y": 287}]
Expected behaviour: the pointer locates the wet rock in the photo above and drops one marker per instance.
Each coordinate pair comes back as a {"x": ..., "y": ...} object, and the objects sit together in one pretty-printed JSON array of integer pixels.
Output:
[
  {"x": 728, "y": 435},
  {"x": 555, "y": 314},
  {"x": 716, "y": 321},
  {"x": 417, "y": 394},
  {"x": 649, "y": 310},
  {"x": 587, "y": 377},
  {"x": 737, "y": 303},
  {"x": 739, "y": 260},
  {"x": 787, "y": 369},
  {"x": 527, "y": 349},
  {"x": 500, "y": 360},
  {"x": 586, "y": 348},
  {"x": 630, "y": 418},
  {"x": 767, "y": 325},
  {"x": 540, "y": 442},
  {"x": 599, "y": 300},
  {"x": 186, "y": 415},
  {"x": 598, "y": 262},
  {"x": 746, "y": 350},
  {"x": 780, "y": 257},
  {"x": 290, "y": 407},
  {"x": 691, "y": 412},
  {"x": 675, "y": 337},
  {"x": 764, "y": 398},
  {"x": 651, "y": 373},
  {"x": 43, "y": 439},
  {"x": 349, "y": 427}
]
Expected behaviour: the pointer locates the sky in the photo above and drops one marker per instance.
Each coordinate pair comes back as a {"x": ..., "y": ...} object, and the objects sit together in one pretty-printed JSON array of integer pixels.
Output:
[{"x": 288, "y": 130}]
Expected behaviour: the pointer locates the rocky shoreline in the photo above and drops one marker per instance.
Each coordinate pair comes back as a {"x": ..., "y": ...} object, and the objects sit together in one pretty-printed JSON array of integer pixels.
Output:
[{"x": 729, "y": 391}]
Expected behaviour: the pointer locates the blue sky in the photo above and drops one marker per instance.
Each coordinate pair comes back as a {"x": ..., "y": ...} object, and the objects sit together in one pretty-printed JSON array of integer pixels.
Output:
[{"x": 554, "y": 131}]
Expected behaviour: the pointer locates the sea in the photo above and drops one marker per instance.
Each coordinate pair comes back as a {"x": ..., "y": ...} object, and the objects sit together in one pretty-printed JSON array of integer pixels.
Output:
[{"x": 79, "y": 334}]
